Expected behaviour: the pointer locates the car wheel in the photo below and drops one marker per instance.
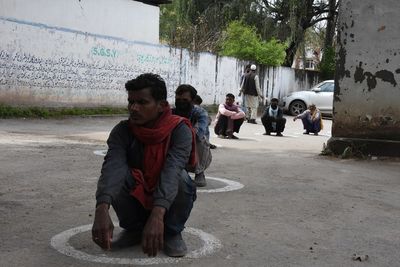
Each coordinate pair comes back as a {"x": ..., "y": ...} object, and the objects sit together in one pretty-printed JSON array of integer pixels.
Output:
[{"x": 297, "y": 107}]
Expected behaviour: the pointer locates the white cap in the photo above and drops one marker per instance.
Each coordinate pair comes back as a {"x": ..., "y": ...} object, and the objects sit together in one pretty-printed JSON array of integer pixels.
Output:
[{"x": 253, "y": 67}]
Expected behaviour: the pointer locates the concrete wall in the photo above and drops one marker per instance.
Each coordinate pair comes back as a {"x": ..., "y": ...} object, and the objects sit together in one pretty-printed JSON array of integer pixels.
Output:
[
  {"x": 127, "y": 19},
  {"x": 45, "y": 62},
  {"x": 367, "y": 93}
]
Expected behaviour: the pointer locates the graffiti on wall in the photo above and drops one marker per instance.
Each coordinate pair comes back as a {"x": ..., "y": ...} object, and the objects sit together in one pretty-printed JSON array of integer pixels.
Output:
[
  {"x": 104, "y": 52},
  {"x": 25, "y": 69}
]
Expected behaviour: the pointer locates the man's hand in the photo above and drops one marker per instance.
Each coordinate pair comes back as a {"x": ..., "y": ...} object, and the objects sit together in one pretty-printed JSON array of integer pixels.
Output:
[
  {"x": 295, "y": 118},
  {"x": 153, "y": 232},
  {"x": 102, "y": 230}
]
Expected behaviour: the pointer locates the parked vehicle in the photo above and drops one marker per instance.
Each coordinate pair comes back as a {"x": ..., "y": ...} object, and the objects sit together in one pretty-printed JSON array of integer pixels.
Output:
[{"x": 321, "y": 95}]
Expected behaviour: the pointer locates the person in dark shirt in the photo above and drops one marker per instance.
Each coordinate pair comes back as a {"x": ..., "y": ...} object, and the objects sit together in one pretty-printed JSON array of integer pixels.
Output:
[
  {"x": 143, "y": 176},
  {"x": 198, "y": 116},
  {"x": 197, "y": 102},
  {"x": 273, "y": 119}
]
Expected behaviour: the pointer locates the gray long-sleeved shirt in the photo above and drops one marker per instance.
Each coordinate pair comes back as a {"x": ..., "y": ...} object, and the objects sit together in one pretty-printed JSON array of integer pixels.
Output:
[{"x": 126, "y": 152}]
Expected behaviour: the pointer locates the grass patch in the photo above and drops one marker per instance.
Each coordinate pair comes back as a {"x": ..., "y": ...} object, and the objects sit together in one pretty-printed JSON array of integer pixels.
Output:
[{"x": 44, "y": 112}]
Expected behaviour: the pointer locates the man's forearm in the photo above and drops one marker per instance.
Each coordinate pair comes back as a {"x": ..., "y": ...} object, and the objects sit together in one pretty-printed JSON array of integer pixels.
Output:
[
  {"x": 158, "y": 212},
  {"x": 103, "y": 206}
]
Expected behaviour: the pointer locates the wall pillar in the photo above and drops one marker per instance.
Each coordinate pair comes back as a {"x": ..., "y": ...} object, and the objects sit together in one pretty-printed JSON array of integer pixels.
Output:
[{"x": 367, "y": 83}]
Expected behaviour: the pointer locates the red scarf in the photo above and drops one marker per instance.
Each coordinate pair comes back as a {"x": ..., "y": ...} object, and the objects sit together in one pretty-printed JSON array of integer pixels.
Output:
[{"x": 156, "y": 144}]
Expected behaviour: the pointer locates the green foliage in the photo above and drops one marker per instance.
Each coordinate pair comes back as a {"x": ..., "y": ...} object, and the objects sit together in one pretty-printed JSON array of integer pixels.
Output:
[
  {"x": 327, "y": 65},
  {"x": 271, "y": 53},
  {"x": 198, "y": 25},
  {"x": 42, "y": 112},
  {"x": 243, "y": 42}
]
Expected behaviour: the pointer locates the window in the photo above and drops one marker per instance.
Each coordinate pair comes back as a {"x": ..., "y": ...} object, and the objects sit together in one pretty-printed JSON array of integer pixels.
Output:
[
  {"x": 327, "y": 87},
  {"x": 310, "y": 64}
]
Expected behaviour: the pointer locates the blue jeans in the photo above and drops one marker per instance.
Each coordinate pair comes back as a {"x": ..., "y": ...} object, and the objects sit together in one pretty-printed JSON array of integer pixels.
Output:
[
  {"x": 133, "y": 217},
  {"x": 311, "y": 126}
]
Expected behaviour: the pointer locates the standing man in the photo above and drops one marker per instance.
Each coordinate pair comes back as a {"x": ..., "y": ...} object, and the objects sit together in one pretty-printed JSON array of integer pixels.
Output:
[
  {"x": 246, "y": 71},
  {"x": 143, "y": 175},
  {"x": 273, "y": 119},
  {"x": 198, "y": 116},
  {"x": 251, "y": 93}
]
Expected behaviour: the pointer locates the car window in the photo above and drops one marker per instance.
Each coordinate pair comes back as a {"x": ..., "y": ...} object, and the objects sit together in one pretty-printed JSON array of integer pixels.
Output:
[{"x": 327, "y": 87}]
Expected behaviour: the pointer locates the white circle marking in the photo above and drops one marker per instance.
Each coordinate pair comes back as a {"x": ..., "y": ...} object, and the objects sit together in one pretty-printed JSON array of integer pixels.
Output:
[
  {"x": 100, "y": 152},
  {"x": 230, "y": 186},
  {"x": 61, "y": 244}
]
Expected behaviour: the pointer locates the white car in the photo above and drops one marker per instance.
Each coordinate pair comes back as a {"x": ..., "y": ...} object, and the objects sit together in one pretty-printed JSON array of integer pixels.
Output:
[{"x": 321, "y": 95}]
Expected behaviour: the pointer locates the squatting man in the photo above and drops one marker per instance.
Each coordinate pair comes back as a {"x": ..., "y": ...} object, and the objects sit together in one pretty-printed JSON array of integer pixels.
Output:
[{"x": 143, "y": 176}]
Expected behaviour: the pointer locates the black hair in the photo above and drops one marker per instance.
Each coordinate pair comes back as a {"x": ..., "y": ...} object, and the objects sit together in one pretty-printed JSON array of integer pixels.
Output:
[
  {"x": 153, "y": 81},
  {"x": 183, "y": 88},
  {"x": 274, "y": 99},
  {"x": 197, "y": 100},
  {"x": 247, "y": 68},
  {"x": 230, "y": 95}
]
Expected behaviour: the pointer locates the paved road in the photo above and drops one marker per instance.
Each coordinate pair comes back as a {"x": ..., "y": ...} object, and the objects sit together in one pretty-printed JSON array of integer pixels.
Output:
[{"x": 296, "y": 208}]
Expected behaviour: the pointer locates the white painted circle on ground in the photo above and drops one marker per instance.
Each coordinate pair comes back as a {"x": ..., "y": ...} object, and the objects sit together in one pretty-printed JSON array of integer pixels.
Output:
[
  {"x": 284, "y": 135},
  {"x": 230, "y": 186},
  {"x": 100, "y": 152},
  {"x": 311, "y": 134},
  {"x": 217, "y": 145},
  {"x": 247, "y": 138},
  {"x": 61, "y": 244}
]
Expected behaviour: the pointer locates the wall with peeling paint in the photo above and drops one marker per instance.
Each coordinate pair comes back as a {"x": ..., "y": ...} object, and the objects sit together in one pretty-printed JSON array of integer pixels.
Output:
[
  {"x": 367, "y": 93},
  {"x": 118, "y": 18},
  {"x": 46, "y": 65}
]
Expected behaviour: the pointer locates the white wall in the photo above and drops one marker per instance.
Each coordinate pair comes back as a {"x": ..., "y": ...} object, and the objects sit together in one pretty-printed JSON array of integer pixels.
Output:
[
  {"x": 41, "y": 65},
  {"x": 126, "y": 19}
]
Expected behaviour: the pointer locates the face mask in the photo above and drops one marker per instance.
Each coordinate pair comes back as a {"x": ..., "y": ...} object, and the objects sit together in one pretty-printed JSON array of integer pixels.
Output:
[
  {"x": 183, "y": 107},
  {"x": 274, "y": 106}
]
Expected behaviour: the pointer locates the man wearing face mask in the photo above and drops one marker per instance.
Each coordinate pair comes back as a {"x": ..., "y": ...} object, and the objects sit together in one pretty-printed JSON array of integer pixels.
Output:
[
  {"x": 273, "y": 119},
  {"x": 198, "y": 116}
]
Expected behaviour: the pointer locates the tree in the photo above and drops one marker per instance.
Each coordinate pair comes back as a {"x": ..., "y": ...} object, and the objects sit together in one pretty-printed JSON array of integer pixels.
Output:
[
  {"x": 241, "y": 41},
  {"x": 327, "y": 65},
  {"x": 198, "y": 24},
  {"x": 298, "y": 16}
]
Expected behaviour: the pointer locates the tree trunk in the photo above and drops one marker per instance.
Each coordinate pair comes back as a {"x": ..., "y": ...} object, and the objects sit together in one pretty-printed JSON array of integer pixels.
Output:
[{"x": 331, "y": 24}]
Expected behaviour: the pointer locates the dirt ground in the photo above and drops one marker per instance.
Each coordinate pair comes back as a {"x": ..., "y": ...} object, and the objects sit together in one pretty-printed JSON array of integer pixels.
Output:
[{"x": 296, "y": 208}]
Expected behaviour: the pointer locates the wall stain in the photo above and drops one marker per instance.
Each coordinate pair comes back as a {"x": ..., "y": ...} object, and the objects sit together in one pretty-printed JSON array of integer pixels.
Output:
[
  {"x": 340, "y": 67},
  {"x": 371, "y": 80},
  {"x": 359, "y": 73},
  {"x": 384, "y": 75}
]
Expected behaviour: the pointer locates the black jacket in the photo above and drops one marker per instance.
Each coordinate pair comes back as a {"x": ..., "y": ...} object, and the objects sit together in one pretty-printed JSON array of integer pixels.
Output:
[
  {"x": 266, "y": 113},
  {"x": 125, "y": 152},
  {"x": 249, "y": 84}
]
